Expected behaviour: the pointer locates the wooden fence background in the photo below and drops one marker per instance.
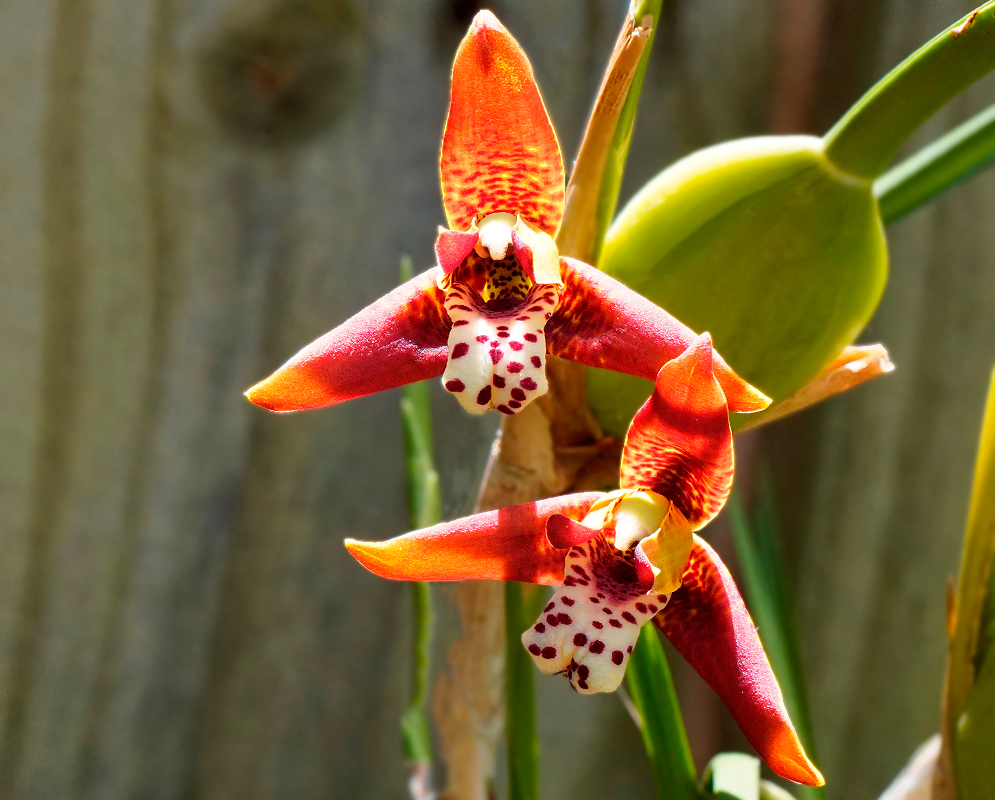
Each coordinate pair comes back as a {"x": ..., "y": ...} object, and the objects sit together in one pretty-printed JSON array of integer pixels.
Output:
[{"x": 190, "y": 190}]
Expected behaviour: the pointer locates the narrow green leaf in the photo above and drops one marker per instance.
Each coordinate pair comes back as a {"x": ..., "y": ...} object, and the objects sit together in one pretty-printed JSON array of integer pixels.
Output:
[
  {"x": 970, "y": 685},
  {"x": 596, "y": 176},
  {"x": 523, "y": 744},
  {"x": 662, "y": 726},
  {"x": 769, "y": 597},
  {"x": 974, "y": 738},
  {"x": 424, "y": 509},
  {"x": 864, "y": 141},
  {"x": 618, "y": 154},
  {"x": 954, "y": 157},
  {"x": 732, "y": 776}
]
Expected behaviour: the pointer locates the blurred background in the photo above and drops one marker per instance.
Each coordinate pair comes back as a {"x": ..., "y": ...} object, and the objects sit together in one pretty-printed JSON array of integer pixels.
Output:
[{"x": 191, "y": 190}]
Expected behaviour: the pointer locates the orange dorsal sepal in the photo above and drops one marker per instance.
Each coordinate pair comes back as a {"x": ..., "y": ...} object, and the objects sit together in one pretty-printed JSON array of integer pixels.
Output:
[
  {"x": 499, "y": 151},
  {"x": 679, "y": 444}
]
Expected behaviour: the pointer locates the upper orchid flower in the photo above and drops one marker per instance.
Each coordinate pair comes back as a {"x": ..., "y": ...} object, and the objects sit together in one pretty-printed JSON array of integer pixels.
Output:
[
  {"x": 627, "y": 557},
  {"x": 501, "y": 297}
]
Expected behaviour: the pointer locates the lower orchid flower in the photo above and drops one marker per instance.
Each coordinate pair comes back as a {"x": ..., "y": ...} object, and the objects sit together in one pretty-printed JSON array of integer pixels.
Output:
[
  {"x": 501, "y": 297},
  {"x": 621, "y": 559}
]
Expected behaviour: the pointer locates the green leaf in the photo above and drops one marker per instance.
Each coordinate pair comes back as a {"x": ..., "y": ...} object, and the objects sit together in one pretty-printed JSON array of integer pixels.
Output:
[
  {"x": 864, "y": 141},
  {"x": 768, "y": 594},
  {"x": 611, "y": 182},
  {"x": 523, "y": 744},
  {"x": 969, "y": 722},
  {"x": 954, "y": 157},
  {"x": 975, "y": 736},
  {"x": 597, "y": 173},
  {"x": 662, "y": 726}
]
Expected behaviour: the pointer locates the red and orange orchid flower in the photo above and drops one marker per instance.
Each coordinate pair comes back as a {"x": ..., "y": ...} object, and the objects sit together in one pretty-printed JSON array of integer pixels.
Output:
[
  {"x": 623, "y": 558},
  {"x": 501, "y": 297}
]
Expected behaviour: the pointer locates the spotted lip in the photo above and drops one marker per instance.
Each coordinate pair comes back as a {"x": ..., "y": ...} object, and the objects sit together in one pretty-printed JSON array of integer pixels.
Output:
[
  {"x": 589, "y": 628},
  {"x": 497, "y": 355}
]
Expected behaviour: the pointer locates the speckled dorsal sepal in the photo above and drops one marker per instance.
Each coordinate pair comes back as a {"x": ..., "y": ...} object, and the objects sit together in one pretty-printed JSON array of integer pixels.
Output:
[
  {"x": 588, "y": 630},
  {"x": 679, "y": 444},
  {"x": 497, "y": 359},
  {"x": 707, "y": 621},
  {"x": 499, "y": 151},
  {"x": 399, "y": 339},
  {"x": 602, "y": 323},
  {"x": 505, "y": 545}
]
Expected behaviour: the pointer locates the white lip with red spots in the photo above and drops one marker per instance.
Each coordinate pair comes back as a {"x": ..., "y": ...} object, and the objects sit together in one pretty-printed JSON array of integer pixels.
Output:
[
  {"x": 588, "y": 630},
  {"x": 497, "y": 359}
]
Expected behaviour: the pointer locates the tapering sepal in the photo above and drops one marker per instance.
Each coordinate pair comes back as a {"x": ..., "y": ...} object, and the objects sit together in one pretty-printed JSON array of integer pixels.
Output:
[
  {"x": 707, "y": 621},
  {"x": 399, "y": 339},
  {"x": 602, "y": 323},
  {"x": 505, "y": 545}
]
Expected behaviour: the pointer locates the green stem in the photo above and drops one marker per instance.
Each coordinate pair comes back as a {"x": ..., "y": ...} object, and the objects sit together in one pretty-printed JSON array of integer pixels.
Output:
[
  {"x": 952, "y": 158},
  {"x": 664, "y": 737},
  {"x": 523, "y": 745},
  {"x": 865, "y": 140},
  {"x": 415, "y": 729},
  {"x": 424, "y": 509}
]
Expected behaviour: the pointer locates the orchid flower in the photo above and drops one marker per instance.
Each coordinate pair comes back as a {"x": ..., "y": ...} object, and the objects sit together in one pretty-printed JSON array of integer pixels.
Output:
[
  {"x": 623, "y": 558},
  {"x": 501, "y": 297}
]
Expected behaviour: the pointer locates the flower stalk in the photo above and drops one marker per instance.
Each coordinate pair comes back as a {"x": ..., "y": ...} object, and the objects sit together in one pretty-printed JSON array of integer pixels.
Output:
[
  {"x": 865, "y": 140},
  {"x": 424, "y": 509}
]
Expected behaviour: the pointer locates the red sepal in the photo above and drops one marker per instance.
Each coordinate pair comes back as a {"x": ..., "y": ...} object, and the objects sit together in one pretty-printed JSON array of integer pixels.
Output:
[
  {"x": 452, "y": 247},
  {"x": 505, "y": 545},
  {"x": 679, "y": 444},
  {"x": 499, "y": 151},
  {"x": 707, "y": 621},
  {"x": 602, "y": 323},
  {"x": 399, "y": 339}
]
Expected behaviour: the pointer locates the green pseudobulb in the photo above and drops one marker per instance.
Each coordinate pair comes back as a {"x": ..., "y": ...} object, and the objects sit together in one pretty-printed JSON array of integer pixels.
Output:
[{"x": 763, "y": 243}]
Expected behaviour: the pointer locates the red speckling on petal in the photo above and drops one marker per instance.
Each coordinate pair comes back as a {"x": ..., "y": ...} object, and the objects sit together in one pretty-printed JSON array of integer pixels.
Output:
[
  {"x": 618, "y": 657},
  {"x": 597, "y": 647}
]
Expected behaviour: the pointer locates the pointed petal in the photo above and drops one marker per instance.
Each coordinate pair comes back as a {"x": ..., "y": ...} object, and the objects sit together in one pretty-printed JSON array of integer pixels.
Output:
[
  {"x": 602, "y": 323},
  {"x": 499, "y": 152},
  {"x": 854, "y": 366},
  {"x": 452, "y": 247},
  {"x": 679, "y": 444},
  {"x": 505, "y": 545},
  {"x": 399, "y": 339},
  {"x": 709, "y": 625}
]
